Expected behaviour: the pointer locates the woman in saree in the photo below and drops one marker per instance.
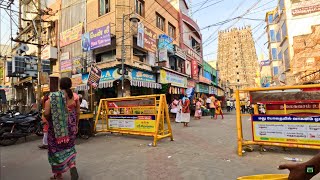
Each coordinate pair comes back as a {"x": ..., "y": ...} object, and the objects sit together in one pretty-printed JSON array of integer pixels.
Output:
[
  {"x": 218, "y": 109},
  {"x": 62, "y": 111}
]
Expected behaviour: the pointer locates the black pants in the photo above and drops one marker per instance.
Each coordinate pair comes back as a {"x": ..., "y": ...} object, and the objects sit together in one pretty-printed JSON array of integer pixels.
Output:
[{"x": 228, "y": 108}]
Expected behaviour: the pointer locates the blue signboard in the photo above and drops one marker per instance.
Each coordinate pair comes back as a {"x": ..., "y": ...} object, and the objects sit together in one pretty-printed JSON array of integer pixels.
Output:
[
  {"x": 165, "y": 42},
  {"x": 143, "y": 76}
]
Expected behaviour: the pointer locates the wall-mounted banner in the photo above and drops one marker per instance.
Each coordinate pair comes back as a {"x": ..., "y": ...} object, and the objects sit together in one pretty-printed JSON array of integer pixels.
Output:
[
  {"x": 302, "y": 7},
  {"x": 201, "y": 88},
  {"x": 76, "y": 80},
  {"x": 140, "y": 38},
  {"x": 66, "y": 65},
  {"x": 150, "y": 42},
  {"x": 174, "y": 79},
  {"x": 132, "y": 122},
  {"x": 71, "y": 35},
  {"x": 163, "y": 54},
  {"x": 76, "y": 65},
  {"x": 194, "y": 70},
  {"x": 287, "y": 129},
  {"x": 165, "y": 41},
  {"x": 179, "y": 52},
  {"x": 97, "y": 38}
]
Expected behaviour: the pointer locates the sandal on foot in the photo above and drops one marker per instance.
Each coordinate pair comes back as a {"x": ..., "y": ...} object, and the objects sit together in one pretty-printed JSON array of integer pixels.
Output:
[
  {"x": 74, "y": 173},
  {"x": 56, "y": 177}
]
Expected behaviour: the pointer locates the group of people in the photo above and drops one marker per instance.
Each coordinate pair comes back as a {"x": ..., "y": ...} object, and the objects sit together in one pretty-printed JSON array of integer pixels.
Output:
[{"x": 180, "y": 108}]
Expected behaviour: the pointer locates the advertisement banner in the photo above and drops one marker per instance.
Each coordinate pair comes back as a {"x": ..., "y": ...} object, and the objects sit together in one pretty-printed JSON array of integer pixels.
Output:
[
  {"x": 94, "y": 77},
  {"x": 66, "y": 65},
  {"x": 201, "y": 88},
  {"x": 140, "y": 38},
  {"x": 143, "y": 76},
  {"x": 131, "y": 103},
  {"x": 71, "y": 35},
  {"x": 204, "y": 80},
  {"x": 100, "y": 37},
  {"x": 301, "y": 108},
  {"x": 303, "y": 7},
  {"x": 76, "y": 80},
  {"x": 188, "y": 68},
  {"x": 194, "y": 70},
  {"x": 76, "y": 65},
  {"x": 191, "y": 84},
  {"x": 165, "y": 41},
  {"x": 85, "y": 42},
  {"x": 132, "y": 123},
  {"x": 286, "y": 129},
  {"x": 163, "y": 55},
  {"x": 174, "y": 79},
  {"x": 150, "y": 42}
]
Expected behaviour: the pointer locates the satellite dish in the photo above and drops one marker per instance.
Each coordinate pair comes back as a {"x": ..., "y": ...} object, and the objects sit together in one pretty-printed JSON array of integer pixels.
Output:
[{"x": 26, "y": 2}]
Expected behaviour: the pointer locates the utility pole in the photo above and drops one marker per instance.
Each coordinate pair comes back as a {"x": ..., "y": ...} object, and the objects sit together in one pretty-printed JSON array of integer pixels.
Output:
[
  {"x": 123, "y": 51},
  {"x": 39, "y": 56}
]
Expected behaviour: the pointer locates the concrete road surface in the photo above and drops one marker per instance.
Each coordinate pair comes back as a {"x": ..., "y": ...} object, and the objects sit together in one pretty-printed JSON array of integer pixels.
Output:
[{"x": 205, "y": 150}]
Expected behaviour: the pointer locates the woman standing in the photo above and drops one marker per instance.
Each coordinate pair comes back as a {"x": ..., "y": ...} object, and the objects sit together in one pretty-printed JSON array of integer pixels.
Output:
[
  {"x": 62, "y": 111},
  {"x": 174, "y": 108},
  {"x": 178, "y": 116},
  {"x": 212, "y": 106},
  {"x": 185, "y": 115},
  {"x": 218, "y": 109},
  {"x": 197, "y": 113}
]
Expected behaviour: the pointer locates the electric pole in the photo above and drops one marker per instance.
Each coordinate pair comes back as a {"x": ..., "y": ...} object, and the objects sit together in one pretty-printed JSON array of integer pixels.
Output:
[{"x": 39, "y": 56}]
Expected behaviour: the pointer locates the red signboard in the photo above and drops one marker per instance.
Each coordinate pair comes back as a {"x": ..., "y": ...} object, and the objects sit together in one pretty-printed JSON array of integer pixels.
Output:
[
  {"x": 191, "y": 83},
  {"x": 150, "y": 42},
  {"x": 194, "y": 69}
]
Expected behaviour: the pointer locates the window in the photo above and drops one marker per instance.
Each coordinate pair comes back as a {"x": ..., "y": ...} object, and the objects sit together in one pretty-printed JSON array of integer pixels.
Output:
[
  {"x": 171, "y": 30},
  {"x": 195, "y": 45},
  {"x": 275, "y": 70},
  {"x": 280, "y": 56},
  {"x": 286, "y": 59},
  {"x": 106, "y": 56},
  {"x": 104, "y": 7},
  {"x": 237, "y": 66},
  {"x": 139, "y": 56},
  {"x": 270, "y": 18},
  {"x": 238, "y": 80},
  {"x": 139, "y": 7},
  {"x": 278, "y": 36},
  {"x": 284, "y": 30},
  {"x": 274, "y": 53},
  {"x": 272, "y": 36},
  {"x": 238, "y": 73},
  {"x": 160, "y": 22}
]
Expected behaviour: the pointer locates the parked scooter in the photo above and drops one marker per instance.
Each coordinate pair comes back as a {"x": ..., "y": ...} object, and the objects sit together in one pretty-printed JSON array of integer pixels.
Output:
[{"x": 15, "y": 126}]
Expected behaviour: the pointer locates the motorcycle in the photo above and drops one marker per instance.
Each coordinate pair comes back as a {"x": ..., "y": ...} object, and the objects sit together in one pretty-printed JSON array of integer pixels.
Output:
[{"x": 15, "y": 126}]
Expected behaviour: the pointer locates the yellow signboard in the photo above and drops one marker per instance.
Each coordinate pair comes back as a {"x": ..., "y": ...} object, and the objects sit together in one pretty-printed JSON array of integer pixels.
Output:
[
  {"x": 138, "y": 115},
  {"x": 71, "y": 35}
]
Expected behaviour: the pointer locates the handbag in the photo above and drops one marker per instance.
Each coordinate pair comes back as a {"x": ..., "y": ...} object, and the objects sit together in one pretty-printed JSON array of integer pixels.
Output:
[{"x": 174, "y": 110}]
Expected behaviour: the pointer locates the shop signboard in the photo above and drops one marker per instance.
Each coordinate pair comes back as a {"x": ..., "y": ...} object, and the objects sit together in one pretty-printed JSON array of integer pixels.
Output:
[
  {"x": 71, "y": 35},
  {"x": 304, "y": 7},
  {"x": 85, "y": 78},
  {"x": 49, "y": 52},
  {"x": 165, "y": 41},
  {"x": 173, "y": 79},
  {"x": 191, "y": 83},
  {"x": 201, "y": 88},
  {"x": 110, "y": 75},
  {"x": 85, "y": 42},
  {"x": 204, "y": 80},
  {"x": 142, "y": 76},
  {"x": 150, "y": 42},
  {"x": 188, "y": 68},
  {"x": 179, "y": 52},
  {"x": 66, "y": 65},
  {"x": 140, "y": 38},
  {"x": 100, "y": 37},
  {"x": 194, "y": 70},
  {"x": 132, "y": 123},
  {"x": 191, "y": 53},
  {"x": 286, "y": 129}
]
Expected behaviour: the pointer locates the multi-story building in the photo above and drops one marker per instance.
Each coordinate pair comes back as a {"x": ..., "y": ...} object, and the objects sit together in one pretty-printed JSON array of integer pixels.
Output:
[
  {"x": 291, "y": 18},
  {"x": 237, "y": 58}
]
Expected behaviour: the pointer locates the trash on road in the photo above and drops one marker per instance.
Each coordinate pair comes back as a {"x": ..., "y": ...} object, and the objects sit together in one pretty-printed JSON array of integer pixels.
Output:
[
  {"x": 169, "y": 157},
  {"x": 293, "y": 159},
  {"x": 150, "y": 144}
]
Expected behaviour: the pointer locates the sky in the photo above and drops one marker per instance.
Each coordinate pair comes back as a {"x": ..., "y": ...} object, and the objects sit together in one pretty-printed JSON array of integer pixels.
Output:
[{"x": 207, "y": 12}]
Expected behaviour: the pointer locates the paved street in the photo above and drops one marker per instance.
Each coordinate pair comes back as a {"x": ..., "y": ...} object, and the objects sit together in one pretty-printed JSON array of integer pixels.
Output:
[{"x": 205, "y": 150}]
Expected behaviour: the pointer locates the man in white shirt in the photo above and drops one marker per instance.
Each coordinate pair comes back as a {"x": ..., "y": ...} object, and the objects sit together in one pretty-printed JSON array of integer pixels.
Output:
[{"x": 83, "y": 103}]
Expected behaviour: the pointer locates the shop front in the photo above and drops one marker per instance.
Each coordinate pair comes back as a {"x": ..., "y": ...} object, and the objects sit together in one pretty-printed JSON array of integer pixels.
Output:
[
  {"x": 176, "y": 83},
  {"x": 141, "y": 83}
]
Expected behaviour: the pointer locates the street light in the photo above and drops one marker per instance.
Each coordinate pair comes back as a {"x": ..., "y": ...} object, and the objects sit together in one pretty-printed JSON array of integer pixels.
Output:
[{"x": 134, "y": 19}]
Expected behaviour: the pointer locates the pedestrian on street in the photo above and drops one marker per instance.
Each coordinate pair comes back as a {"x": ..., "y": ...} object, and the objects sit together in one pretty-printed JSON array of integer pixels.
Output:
[
  {"x": 179, "y": 111},
  {"x": 212, "y": 106},
  {"x": 228, "y": 105},
  {"x": 62, "y": 111},
  {"x": 218, "y": 109},
  {"x": 185, "y": 115},
  {"x": 45, "y": 124},
  {"x": 198, "y": 113},
  {"x": 173, "y": 108}
]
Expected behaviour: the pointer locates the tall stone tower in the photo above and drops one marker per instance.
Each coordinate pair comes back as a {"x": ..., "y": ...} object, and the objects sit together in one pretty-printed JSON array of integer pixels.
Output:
[{"x": 237, "y": 58}]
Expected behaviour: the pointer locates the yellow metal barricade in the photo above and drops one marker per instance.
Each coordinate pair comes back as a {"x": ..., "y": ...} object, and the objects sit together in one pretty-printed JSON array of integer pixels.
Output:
[
  {"x": 136, "y": 115},
  {"x": 281, "y": 116},
  {"x": 265, "y": 177}
]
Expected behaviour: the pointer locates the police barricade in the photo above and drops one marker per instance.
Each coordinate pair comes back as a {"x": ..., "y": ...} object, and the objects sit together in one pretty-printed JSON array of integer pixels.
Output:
[
  {"x": 286, "y": 116},
  {"x": 136, "y": 115}
]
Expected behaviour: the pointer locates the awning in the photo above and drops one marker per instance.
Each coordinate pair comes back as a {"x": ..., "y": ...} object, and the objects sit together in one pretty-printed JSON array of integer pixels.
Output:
[
  {"x": 106, "y": 84},
  {"x": 146, "y": 84},
  {"x": 82, "y": 87}
]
